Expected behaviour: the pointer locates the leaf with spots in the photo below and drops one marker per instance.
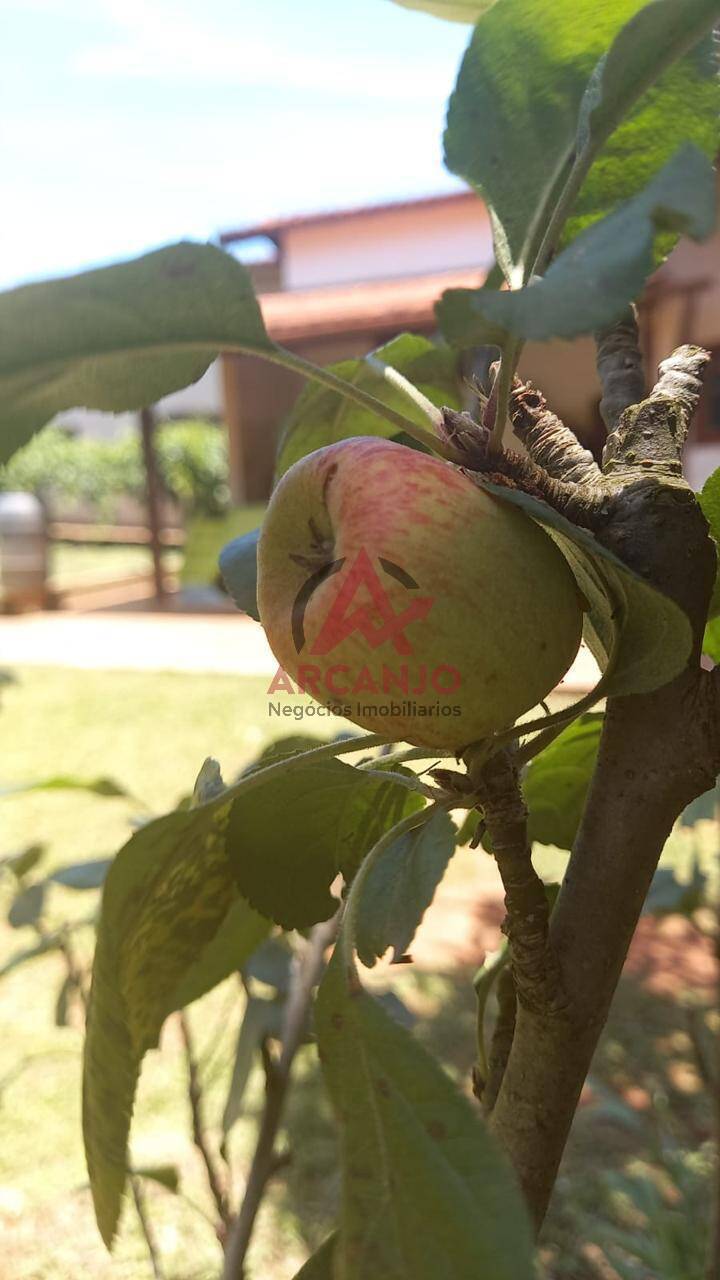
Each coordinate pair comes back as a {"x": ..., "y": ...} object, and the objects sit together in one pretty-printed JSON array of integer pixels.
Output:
[
  {"x": 166, "y": 898},
  {"x": 425, "y": 1192},
  {"x": 289, "y": 838}
]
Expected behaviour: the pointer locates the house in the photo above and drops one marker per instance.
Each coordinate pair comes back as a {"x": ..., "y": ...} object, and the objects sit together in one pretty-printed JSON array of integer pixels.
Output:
[{"x": 334, "y": 285}]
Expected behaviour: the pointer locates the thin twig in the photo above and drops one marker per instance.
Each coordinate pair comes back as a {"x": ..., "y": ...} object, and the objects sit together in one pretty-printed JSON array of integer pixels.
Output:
[
  {"x": 153, "y": 1253},
  {"x": 266, "y": 1160},
  {"x": 195, "y": 1098}
]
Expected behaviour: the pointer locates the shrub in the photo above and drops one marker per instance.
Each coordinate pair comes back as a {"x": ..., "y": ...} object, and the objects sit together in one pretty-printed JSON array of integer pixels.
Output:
[{"x": 192, "y": 461}]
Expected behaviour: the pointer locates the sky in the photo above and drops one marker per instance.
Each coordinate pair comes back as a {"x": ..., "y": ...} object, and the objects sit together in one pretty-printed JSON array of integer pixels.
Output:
[{"x": 133, "y": 123}]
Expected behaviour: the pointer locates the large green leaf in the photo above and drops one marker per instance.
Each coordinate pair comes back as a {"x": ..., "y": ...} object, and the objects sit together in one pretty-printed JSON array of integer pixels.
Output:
[
  {"x": 709, "y": 499},
  {"x": 556, "y": 782},
  {"x": 226, "y": 952},
  {"x": 322, "y": 416},
  {"x": 287, "y": 840},
  {"x": 656, "y": 637},
  {"x": 513, "y": 119},
  {"x": 401, "y": 887},
  {"x": 683, "y": 107},
  {"x": 120, "y": 337},
  {"x": 592, "y": 282},
  {"x": 165, "y": 897},
  {"x": 425, "y": 1192}
]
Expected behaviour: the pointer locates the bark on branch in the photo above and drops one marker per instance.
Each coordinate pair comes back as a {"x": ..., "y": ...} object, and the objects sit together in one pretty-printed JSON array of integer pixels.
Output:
[
  {"x": 620, "y": 367},
  {"x": 658, "y": 752}
]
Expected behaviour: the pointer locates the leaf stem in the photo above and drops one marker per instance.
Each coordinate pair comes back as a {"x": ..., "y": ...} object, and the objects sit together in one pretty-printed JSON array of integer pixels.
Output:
[{"x": 296, "y": 363}]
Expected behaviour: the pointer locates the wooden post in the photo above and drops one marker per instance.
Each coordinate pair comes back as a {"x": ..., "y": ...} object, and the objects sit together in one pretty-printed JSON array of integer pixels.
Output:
[{"x": 152, "y": 480}]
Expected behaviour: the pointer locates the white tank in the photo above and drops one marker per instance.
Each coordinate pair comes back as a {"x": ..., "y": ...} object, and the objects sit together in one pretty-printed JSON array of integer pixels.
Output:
[{"x": 23, "y": 552}]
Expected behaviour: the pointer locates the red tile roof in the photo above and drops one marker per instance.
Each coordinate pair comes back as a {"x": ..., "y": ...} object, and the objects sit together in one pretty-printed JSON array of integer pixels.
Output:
[{"x": 374, "y": 306}]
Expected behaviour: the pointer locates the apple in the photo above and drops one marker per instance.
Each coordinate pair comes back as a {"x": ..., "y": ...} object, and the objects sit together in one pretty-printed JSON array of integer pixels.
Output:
[{"x": 397, "y": 592}]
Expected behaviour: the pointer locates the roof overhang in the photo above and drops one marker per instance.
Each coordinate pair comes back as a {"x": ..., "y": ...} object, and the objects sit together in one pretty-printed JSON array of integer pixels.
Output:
[{"x": 375, "y": 307}]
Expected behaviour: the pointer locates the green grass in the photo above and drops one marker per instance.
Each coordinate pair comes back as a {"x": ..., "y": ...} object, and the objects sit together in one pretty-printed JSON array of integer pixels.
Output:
[
  {"x": 151, "y": 732},
  {"x": 77, "y": 565}
]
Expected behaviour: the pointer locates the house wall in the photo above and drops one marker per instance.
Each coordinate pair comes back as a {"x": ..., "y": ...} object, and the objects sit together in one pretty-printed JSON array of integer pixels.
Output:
[{"x": 388, "y": 243}]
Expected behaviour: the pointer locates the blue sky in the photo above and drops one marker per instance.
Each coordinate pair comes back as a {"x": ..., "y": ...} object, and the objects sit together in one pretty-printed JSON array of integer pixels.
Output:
[{"x": 132, "y": 123}]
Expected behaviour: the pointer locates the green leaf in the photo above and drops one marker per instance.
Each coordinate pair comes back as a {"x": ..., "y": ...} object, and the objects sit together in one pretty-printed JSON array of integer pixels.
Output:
[
  {"x": 592, "y": 281},
  {"x": 288, "y": 839},
  {"x": 262, "y": 1018},
  {"x": 321, "y": 416},
  {"x": 83, "y": 875},
  {"x": 66, "y": 782},
  {"x": 683, "y": 106},
  {"x": 556, "y": 782},
  {"x": 656, "y": 638},
  {"x": 22, "y": 862},
  {"x": 165, "y": 898},
  {"x": 538, "y": 93},
  {"x": 512, "y": 119},
  {"x": 321, "y": 1265},
  {"x": 166, "y": 1175},
  {"x": 238, "y": 566},
  {"x": 27, "y": 907},
  {"x": 709, "y": 500},
  {"x": 227, "y": 952},
  {"x": 121, "y": 337},
  {"x": 400, "y": 888},
  {"x": 452, "y": 10},
  {"x": 425, "y": 1192}
]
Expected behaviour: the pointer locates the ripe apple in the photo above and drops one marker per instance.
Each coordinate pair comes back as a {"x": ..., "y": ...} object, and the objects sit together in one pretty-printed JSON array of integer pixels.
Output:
[{"x": 397, "y": 592}]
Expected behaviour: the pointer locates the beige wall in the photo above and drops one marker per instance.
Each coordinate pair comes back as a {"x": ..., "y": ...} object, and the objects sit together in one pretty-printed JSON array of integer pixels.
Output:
[{"x": 388, "y": 244}]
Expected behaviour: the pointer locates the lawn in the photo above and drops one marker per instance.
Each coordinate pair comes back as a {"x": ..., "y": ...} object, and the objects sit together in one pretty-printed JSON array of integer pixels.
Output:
[{"x": 641, "y": 1140}]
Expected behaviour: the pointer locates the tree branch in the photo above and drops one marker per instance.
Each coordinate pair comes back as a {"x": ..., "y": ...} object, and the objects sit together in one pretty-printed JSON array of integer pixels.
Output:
[
  {"x": 265, "y": 1160},
  {"x": 550, "y": 444},
  {"x": 584, "y": 506},
  {"x": 620, "y": 367},
  {"x": 657, "y": 753},
  {"x": 212, "y": 1165},
  {"x": 649, "y": 436}
]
